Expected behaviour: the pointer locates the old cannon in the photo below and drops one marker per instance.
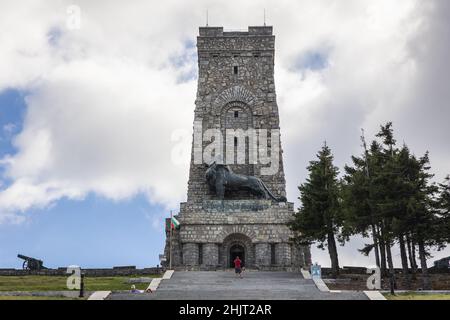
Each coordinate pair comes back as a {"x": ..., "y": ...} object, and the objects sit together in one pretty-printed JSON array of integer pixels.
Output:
[{"x": 31, "y": 263}]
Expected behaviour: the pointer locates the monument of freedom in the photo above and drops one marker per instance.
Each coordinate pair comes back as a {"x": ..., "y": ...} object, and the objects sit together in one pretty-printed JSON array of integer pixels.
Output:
[{"x": 236, "y": 201}]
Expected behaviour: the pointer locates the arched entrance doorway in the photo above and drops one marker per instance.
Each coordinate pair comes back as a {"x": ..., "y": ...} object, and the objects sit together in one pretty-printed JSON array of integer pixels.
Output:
[
  {"x": 237, "y": 250},
  {"x": 236, "y": 244}
]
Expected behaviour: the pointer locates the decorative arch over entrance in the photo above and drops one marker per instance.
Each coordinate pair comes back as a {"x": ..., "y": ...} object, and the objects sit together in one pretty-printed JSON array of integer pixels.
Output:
[
  {"x": 237, "y": 244},
  {"x": 236, "y": 93}
]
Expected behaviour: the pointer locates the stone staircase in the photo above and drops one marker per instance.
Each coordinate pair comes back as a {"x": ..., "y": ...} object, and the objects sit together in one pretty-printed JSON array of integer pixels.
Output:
[{"x": 225, "y": 285}]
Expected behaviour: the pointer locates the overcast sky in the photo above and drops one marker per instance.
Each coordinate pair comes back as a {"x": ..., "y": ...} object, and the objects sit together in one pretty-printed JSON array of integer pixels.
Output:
[{"x": 92, "y": 118}]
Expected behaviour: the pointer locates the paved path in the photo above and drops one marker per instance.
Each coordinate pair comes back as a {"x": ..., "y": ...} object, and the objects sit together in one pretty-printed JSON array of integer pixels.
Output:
[{"x": 224, "y": 285}]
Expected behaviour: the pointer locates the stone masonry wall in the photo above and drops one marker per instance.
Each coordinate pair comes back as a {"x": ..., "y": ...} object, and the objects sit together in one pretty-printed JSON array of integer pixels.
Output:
[
  {"x": 90, "y": 272},
  {"x": 208, "y": 231},
  {"x": 219, "y": 89}
]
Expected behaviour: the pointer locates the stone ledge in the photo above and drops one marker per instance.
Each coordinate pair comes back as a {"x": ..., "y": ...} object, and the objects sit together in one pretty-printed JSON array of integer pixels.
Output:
[
  {"x": 250, "y": 219},
  {"x": 237, "y": 212},
  {"x": 222, "y": 206}
]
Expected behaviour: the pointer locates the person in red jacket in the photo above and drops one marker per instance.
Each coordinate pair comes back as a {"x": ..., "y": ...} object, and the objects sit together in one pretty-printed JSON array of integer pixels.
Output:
[{"x": 237, "y": 266}]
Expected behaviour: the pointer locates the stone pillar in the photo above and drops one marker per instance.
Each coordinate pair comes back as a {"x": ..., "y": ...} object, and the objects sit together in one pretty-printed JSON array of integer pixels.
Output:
[
  {"x": 283, "y": 254},
  {"x": 176, "y": 250},
  {"x": 306, "y": 252},
  {"x": 262, "y": 254},
  {"x": 190, "y": 254},
  {"x": 210, "y": 254}
]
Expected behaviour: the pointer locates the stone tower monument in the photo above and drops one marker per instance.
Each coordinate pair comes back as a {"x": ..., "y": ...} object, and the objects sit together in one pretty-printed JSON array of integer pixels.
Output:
[{"x": 236, "y": 131}]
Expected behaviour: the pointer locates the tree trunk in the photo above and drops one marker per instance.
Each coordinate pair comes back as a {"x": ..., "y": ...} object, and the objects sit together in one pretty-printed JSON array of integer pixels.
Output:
[
  {"x": 423, "y": 265},
  {"x": 332, "y": 250},
  {"x": 404, "y": 257},
  {"x": 412, "y": 257},
  {"x": 413, "y": 248},
  {"x": 390, "y": 264},
  {"x": 375, "y": 242},
  {"x": 382, "y": 254}
]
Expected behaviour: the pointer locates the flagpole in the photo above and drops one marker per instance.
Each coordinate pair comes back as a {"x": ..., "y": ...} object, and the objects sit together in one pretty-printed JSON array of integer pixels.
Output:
[{"x": 170, "y": 244}]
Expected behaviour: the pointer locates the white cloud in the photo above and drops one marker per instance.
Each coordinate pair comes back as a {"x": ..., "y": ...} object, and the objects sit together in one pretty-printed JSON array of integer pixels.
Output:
[
  {"x": 104, "y": 128},
  {"x": 9, "y": 128},
  {"x": 104, "y": 100}
]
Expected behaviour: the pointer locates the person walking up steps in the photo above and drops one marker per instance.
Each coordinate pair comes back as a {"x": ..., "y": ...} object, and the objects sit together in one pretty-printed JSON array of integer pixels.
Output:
[{"x": 237, "y": 266}]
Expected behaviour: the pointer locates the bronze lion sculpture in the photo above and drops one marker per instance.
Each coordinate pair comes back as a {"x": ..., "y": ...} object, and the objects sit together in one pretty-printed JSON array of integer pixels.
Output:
[{"x": 220, "y": 177}]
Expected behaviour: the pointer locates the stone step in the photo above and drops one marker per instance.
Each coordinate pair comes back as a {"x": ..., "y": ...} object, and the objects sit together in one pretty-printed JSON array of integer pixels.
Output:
[
  {"x": 225, "y": 285},
  {"x": 154, "y": 284},
  {"x": 168, "y": 274},
  {"x": 99, "y": 295}
]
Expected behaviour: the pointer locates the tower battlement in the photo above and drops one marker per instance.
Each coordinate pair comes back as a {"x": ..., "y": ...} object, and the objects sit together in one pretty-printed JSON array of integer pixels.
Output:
[
  {"x": 215, "y": 39},
  {"x": 220, "y": 32}
]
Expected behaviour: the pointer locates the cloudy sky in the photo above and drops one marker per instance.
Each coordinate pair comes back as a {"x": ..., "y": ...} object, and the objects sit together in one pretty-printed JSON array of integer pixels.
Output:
[{"x": 96, "y": 117}]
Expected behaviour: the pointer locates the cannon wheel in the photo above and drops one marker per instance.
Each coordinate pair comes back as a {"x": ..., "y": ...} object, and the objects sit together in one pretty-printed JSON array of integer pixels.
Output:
[{"x": 25, "y": 265}]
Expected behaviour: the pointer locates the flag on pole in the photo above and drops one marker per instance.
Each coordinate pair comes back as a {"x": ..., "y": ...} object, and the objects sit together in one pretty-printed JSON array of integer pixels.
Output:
[{"x": 174, "y": 222}]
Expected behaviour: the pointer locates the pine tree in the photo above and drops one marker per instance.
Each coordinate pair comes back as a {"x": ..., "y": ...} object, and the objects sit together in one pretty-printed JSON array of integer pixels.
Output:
[
  {"x": 359, "y": 214},
  {"x": 444, "y": 210},
  {"x": 425, "y": 223},
  {"x": 318, "y": 219},
  {"x": 386, "y": 181},
  {"x": 388, "y": 194},
  {"x": 370, "y": 196},
  {"x": 401, "y": 224}
]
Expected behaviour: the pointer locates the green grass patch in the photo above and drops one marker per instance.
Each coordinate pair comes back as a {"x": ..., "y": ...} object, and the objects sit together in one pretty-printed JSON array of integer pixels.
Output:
[
  {"x": 56, "y": 283},
  {"x": 37, "y": 298},
  {"x": 417, "y": 296}
]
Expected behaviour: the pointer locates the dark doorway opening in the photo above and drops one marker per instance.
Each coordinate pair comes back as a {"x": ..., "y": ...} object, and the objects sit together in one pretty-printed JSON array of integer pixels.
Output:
[{"x": 237, "y": 251}]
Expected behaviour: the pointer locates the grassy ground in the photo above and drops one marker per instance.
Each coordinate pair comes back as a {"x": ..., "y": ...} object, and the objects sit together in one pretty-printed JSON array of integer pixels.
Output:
[
  {"x": 36, "y": 298},
  {"x": 53, "y": 283},
  {"x": 416, "y": 296}
]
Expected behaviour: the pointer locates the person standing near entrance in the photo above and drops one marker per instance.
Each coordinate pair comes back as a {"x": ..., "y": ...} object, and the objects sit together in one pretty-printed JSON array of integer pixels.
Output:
[{"x": 237, "y": 266}]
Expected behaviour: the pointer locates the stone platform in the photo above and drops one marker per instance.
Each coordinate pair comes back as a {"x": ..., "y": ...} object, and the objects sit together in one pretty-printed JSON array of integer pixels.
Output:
[
  {"x": 224, "y": 285},
  {"x": 214, "y": 232}
]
